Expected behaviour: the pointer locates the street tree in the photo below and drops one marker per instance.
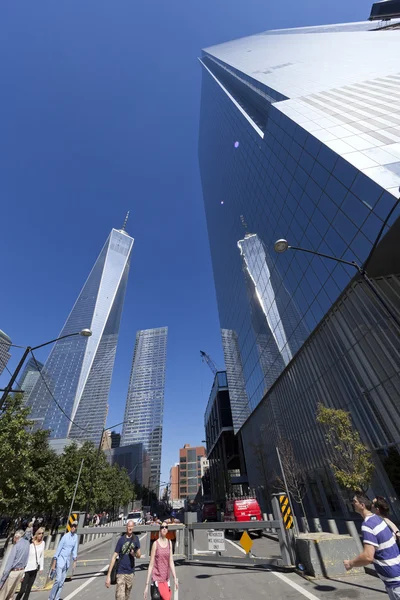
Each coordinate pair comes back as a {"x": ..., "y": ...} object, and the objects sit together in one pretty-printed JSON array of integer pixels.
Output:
[
  {"x": 350, "y": 459},
  {"x": 295, "y": 473}
]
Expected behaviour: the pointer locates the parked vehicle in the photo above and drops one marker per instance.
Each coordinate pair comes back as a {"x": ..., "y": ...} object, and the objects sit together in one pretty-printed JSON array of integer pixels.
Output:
[
  {"x": 136, "y": 517},
  {"x": 209, "y": 511},
  {"x": 243, "y": 509}
]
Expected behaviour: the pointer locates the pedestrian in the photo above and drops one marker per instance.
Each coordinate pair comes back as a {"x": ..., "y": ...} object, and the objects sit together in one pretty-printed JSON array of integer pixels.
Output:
[
  {"x": 67, "y": 547},
  {"x": 126, "y": 550},
  {"x": 380, "y": 548},
  {"x": 14, "y": 569},
  {"x": 55, "y": 525},
  {"x": 161, "y": 565},
  {"x": 171, "y": 535},
  {"x": 382, "y": 509},
  {"x": 34, "y": 564}
]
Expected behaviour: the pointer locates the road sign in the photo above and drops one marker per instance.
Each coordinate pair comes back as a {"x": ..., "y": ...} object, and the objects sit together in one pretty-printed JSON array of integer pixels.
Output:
[
  {"x": 216, "y": 540},
  {"x": 286, "y": 511},
  {"x": 73, "y": 517},
  {"x": 246, "y": 542}
]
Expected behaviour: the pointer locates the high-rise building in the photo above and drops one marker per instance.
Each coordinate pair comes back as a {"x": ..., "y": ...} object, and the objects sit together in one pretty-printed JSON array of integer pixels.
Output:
[
  {"x": 174, "y": 482},
  {"x": 143, "y": 420},
  {"x": 134, "y": 459},
  {"x": 78, "y": 371},
  {"x": 190, "y": 471},
  {"x": 300, "y": 139},
  {"x": 115, "y": 439},
  {"x": 29, "y": 377},
  {"x": 5, "y": 344}
]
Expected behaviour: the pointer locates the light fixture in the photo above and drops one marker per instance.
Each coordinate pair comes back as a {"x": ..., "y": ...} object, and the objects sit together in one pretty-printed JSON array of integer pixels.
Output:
[
  {"x": 85, "y": 332},
  {"x": 281, "y": 246}
]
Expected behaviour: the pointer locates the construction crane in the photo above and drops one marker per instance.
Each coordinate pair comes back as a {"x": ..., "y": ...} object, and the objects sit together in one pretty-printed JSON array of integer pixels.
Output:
[{"x": 205, "y": 357}]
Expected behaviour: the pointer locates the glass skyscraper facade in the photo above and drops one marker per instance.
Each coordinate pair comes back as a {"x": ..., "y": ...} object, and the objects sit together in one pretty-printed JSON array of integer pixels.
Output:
[
  {"x": 5, "y": 345},
  {"x": 78, "y": 371},
  {"x": 300, "y": 139},
  {"x": 143, "y": 420},
  {"x": 29, "y": 378}
]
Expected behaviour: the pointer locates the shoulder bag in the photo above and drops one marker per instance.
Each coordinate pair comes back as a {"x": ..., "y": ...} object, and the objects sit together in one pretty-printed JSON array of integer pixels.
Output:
[
  {"x": 37, "y": 562},
  {"x": 155, "y": 592}
]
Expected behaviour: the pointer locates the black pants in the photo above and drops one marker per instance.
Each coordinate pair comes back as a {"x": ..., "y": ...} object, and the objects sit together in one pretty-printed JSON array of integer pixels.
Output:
[{"x": 26, "y": 585}]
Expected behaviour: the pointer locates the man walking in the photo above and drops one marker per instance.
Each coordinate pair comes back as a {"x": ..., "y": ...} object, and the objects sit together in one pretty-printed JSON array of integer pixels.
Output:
[
  {"x": 14, "y": 569},
  {"x": 67, "y": 547},
  {"x": 127, "y": 548},
  {"x": 380, "y": 548}
]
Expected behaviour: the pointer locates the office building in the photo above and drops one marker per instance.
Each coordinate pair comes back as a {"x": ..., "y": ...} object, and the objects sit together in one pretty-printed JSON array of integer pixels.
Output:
[
  {"x": 300, "y": 139},
  {"x": 223, "y": 448},
  {"x": 115, "y": 439},
  {"x": 174, "y": 482},
  {"x": 134, "y": 459},
  {"x": 190, "y": 471},
  {"x": 77, "y": 374},
  {"x": 5, "y": 344},
  {"x": 143, "y": 420},
  {"x": 29, "y": 378}
]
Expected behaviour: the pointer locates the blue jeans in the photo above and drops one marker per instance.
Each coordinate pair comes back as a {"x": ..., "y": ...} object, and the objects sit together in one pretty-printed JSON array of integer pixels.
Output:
[
  {"x": 61, "y": 573},
  {"x": 394, "y": 593}
]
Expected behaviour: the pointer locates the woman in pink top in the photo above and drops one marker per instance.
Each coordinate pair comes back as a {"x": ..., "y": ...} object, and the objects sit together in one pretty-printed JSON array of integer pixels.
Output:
[{"x": 161, "y": 564}]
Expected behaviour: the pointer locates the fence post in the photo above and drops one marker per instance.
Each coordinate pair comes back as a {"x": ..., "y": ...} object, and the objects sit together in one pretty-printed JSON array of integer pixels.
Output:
[
  {"x": 284, "y": 542},
  {"x": 47, "y": 542},
  {"x": 317, "y": 525},
  {"x": 352, "y": 529},
  {"x": 332, "y": 526},
  {"x": 271, "y": 518}
]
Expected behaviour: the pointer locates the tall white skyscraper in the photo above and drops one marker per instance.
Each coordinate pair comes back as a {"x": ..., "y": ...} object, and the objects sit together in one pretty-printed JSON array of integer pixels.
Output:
[
  {"x": 145, "y": 401},
  {"x": 78, "y": 371},
  {"x": 5, "y": 344}
]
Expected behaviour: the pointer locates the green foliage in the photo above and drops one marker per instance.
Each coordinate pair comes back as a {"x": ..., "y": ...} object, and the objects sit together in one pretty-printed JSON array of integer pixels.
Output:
[
  {"x": 35, "y": 480},
  {"x": 350, "y": 460}
]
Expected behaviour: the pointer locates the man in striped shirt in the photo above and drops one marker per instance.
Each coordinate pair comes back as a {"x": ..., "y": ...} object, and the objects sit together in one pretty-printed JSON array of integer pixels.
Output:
[{"x": 380, "y": 548}]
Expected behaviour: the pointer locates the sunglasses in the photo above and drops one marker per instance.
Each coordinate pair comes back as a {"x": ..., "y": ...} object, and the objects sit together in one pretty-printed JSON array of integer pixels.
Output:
[{"x": 164, "y": 527}]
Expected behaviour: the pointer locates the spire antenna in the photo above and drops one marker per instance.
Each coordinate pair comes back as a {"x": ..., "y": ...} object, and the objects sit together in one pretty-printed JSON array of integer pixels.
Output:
[{"x": 125, "y": 222}]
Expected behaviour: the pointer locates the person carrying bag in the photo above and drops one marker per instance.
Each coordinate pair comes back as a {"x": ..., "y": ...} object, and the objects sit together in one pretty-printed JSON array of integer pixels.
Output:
[
  {"x": 160, "y": 567},
  {"x": 122, "y": 567}
]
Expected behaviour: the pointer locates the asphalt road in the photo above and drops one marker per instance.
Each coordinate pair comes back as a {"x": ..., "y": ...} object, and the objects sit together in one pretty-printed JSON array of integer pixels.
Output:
[{"x": 217, "y": 582}]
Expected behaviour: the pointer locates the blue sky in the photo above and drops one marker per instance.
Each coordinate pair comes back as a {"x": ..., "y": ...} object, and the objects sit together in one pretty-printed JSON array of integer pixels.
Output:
[{"x": 99, "y": 114}]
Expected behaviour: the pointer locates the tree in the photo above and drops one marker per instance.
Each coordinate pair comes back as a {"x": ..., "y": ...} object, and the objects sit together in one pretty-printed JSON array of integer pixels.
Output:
[
  {"x": 350, "y": 460},
  {"x": 295, "y": 473},
  {"x": 15, "y": 455}
]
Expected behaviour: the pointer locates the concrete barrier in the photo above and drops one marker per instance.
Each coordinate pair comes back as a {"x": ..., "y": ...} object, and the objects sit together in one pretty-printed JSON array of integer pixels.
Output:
[{"x": 322, "y": 554}]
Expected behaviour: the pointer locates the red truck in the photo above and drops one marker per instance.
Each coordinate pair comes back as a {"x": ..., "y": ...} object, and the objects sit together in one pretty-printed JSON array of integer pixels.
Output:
[{"x": 243, "y": 509}]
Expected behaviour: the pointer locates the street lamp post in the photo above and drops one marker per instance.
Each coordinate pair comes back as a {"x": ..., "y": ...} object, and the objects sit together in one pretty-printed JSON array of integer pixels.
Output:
[
  {"x": 28, "y": 349},
  {"x": 282, "y": 245}
]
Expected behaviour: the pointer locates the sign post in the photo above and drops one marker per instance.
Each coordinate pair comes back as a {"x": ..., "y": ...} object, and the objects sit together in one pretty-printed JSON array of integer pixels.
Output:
[{"x": 216, "y": 540}]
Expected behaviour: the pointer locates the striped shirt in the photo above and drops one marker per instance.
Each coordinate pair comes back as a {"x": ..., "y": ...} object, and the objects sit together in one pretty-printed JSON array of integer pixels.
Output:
[{"x": 387, "y": 556}]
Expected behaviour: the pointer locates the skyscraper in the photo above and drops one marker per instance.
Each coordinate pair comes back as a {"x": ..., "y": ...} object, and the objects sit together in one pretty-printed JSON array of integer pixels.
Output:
[
  {"x": 5, "y": 344},
  {"x": 78, "y": 371},
  {"x": 29, "y": 377},
  {"x": 144, "y": 408},
  {"x": 300, "y": 135}
]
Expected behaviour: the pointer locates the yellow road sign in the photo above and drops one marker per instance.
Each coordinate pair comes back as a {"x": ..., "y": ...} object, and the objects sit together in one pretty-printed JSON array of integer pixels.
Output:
[
  {"x": 246, "y": 542},
  {"x": 73, "y": 517},
  {"x": 286, "y": 511}
]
